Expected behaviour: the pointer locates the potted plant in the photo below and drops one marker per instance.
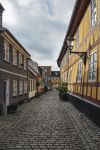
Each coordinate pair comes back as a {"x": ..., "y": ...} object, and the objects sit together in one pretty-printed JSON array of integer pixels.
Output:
[{"x": 63, "y": 91}]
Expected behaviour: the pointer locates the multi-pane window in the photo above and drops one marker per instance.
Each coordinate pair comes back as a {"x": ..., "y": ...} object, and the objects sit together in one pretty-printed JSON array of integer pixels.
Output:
[
  {"x": 25, "y": 63},
  {"x": 31, "y": 85},
  {"x": 6, "y": 51},
  {"x": 25, "y": 87},
  {"x": 20, "y": 60},
  {"x": 14, "y": 87},
  {"x": 79, "y": 72},
  {"x": 92, "y": 66},
  {"x": 20, "y": 87},
  {"x": 93, "y": 8},
  {"x": 77, "y": 38},
  {"x": 14, "y": 56}
]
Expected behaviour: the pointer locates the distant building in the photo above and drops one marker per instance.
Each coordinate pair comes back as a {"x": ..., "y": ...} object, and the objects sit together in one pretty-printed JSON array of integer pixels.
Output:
[
  {"x": 55, "y": 79},
  {"x": 41, "y": 79},
  {"x": 32, "y": 77},
  {"x": 47, "y": 76},
  {"x": 13, "y": 69}
]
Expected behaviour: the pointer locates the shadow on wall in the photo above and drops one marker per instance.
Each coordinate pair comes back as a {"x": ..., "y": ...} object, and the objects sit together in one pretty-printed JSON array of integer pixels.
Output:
[{"x": 92, "y": 112}]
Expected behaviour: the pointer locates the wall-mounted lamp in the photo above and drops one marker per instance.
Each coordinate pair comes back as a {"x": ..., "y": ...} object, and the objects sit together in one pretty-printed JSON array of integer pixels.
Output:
[{"x": 70, "y": 45}]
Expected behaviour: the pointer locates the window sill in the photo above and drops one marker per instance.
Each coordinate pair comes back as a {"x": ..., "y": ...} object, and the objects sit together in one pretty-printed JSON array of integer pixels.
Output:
[
  {"x": 14, "y": 65},
  {"x": 79, "y": 81},
  {"x": 6, "y": 60},
  {"x": 92, "y": 81},
  {"x": 20, "y": 94},
  {"x": 14, "y": 96}
]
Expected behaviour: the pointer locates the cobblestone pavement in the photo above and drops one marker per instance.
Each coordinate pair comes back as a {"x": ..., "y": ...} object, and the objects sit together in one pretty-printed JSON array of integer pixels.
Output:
[{"x": 47, "y": 123}]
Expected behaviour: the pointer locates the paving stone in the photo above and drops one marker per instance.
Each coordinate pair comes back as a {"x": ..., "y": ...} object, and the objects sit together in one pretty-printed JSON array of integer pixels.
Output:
[{"x": 47, "y": 123}]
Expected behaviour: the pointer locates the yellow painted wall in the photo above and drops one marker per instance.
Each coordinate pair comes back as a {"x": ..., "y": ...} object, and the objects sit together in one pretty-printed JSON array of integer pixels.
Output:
[{"x": 88, "y": 37}]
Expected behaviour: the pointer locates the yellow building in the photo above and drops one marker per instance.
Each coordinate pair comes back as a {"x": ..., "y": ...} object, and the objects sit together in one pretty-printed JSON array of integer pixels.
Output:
[
  {"x": 82, "y": 70},
  {"x": 55, "y": 79}
]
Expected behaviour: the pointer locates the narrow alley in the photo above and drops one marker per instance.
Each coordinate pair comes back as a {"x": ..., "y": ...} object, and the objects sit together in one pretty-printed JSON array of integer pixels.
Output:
[{"x": 47, "y": 123}]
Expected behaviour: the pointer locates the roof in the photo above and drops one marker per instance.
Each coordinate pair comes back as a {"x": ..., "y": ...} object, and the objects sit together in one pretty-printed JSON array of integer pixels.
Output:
[
  {"x": 77, "y": 14},
  {"x": 1, "y": 8},
  {"x": 55, "y": 73},
  {"x": 47, "y": 70},
  {"x": 3, "y": 29}
]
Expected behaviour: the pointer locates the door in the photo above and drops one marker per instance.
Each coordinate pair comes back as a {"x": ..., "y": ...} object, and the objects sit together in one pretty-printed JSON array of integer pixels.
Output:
[{"x": 6, "y": 95}]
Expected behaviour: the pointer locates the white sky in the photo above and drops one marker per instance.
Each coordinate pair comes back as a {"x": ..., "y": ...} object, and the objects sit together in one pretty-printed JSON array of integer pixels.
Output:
[{"x": 39, "y": 25}]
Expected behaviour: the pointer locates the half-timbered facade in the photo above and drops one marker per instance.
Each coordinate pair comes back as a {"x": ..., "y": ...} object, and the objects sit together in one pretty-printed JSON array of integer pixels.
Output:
[{"x": 83, "y": 79}]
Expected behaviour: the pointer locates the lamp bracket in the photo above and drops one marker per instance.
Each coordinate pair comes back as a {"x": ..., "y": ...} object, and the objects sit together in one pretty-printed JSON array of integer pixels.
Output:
[{"x": 83, "y": 55}]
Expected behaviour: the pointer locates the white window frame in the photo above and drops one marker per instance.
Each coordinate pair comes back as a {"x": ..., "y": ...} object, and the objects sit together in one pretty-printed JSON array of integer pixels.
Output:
[
  {"x": 6, "y": 51},
  {"x": 14, "y": 87},
  {"x": 20, "y": 60},
  {"x": 93, "y": 12},
  {"x": 92, "y": 64},
  {"x": 14, "y": 56},
  {"x": 79, "y": 71},
  {"x": 20, "y": 87},
  {"x": 25, "y": 87},
  {"x": 25, "y": 65}
]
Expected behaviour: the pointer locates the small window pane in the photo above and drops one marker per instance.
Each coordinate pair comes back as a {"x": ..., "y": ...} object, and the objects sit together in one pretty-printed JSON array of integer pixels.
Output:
[{"x": 93, "y": 66}]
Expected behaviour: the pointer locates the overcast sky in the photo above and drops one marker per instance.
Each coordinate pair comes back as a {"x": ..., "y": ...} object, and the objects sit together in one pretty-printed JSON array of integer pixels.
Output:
[{"x": 39, "y": 25}]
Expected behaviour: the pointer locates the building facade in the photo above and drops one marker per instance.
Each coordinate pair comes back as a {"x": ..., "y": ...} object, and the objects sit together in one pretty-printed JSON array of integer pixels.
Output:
[
  {"x": 41, "y": 80},
  {"x": 13, "y": 69},
  {"x": 47, "y": 77},
  {"x": 55, "y": 79},
  {"x": 32, "y": 78},
  {"x": 83, "y": 78}
]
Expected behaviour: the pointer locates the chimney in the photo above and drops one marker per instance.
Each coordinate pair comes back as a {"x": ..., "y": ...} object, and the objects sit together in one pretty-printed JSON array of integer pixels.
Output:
[{"x": 1, "y": 11}]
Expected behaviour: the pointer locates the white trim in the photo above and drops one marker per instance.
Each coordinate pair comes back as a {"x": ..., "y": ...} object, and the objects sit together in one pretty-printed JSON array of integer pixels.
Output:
[
  {"x": 95, "y": 51},
  {"x": 3, "y": 70},
  {"x": 96, "y": 67},
  {"x": 32, "y": 71},
  {"x": 14, "y": 44},
  {"x": 83, "y": 99}
]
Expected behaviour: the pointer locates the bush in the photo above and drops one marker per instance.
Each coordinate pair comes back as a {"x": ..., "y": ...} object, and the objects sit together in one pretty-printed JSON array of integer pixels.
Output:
[{"x": 63, "y": 91}]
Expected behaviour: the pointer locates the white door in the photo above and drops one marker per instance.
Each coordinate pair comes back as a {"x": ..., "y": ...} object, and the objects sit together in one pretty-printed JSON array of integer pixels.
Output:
[{"x": 6, "y": 95}]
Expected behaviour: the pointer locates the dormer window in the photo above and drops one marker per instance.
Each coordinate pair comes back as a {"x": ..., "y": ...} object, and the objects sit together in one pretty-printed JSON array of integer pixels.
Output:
[
  {"x": 6, "y": 51},
  {"x": 93, "y": 12}
]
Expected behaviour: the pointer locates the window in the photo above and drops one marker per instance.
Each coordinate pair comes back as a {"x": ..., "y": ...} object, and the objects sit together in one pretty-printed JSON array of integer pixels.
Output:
[
  {"x": 20, "y": 60},
  {"x": 20, "y": 87},
  {"x": 93, "y": 12},
  {"x": 79, "y": 72},
  {"x": 24, "y": 63},
  {"x": 14, "y": 87},
  {"x": 6, "y": 51},
  {"x": 77, "y": 38},
  {"x": 14, "y": 56},
  {"x": 25, "y": 87},
  {"x": 92, "y": 66}
]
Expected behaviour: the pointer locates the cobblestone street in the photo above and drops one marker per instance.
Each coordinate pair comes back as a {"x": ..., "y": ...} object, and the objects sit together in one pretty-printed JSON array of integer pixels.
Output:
[{"x": 47, "y": 123}]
